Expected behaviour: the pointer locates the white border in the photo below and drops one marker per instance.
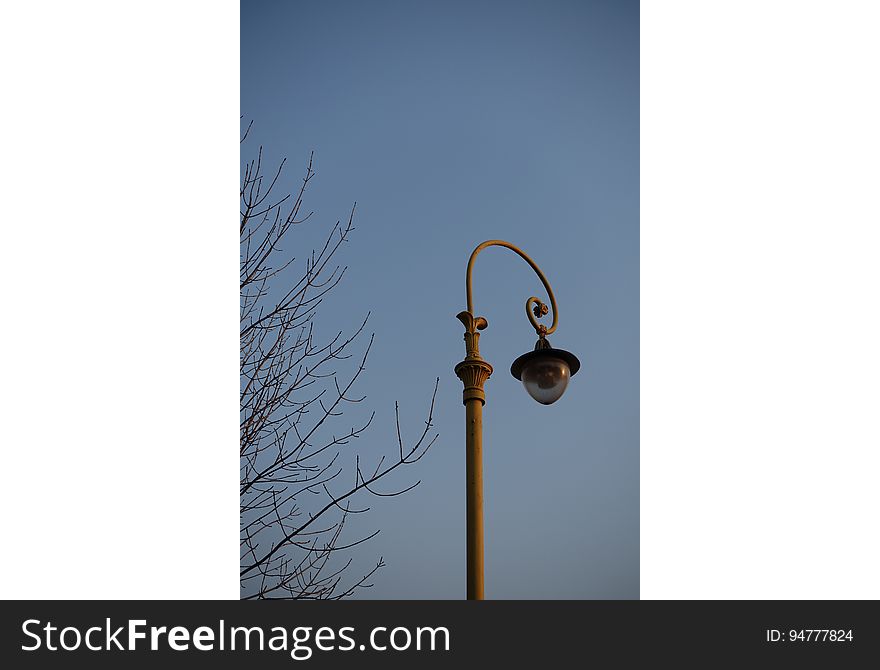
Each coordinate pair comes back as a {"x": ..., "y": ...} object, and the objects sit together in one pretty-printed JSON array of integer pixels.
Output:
[
  {"x": 760, "y": 327},
  {"x": 120, "y": 315}
]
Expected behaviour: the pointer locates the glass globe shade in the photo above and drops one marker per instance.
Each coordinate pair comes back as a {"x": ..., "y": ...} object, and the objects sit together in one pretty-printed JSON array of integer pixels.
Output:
[{"x": 545, "y": 378}]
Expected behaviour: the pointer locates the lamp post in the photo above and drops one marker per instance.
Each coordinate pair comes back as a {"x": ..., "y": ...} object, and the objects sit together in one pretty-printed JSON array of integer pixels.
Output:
[{"x": 544, "y": 372}]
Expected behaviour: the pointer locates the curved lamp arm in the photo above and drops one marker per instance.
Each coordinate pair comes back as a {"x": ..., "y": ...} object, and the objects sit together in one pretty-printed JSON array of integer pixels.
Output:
[{"x": 540, "y": 309}]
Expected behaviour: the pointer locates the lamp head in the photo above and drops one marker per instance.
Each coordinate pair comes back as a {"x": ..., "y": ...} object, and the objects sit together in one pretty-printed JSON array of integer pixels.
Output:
[{"x": 545, "y": 371}]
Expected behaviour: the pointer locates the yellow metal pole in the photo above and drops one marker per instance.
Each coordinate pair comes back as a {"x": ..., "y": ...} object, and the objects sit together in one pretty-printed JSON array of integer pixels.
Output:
[
  {"x": 474, "y": 417},
  {"x": 473, "y": 372}
]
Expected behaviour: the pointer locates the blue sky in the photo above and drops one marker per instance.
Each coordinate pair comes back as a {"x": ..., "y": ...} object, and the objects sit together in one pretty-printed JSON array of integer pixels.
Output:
[{"x": 452, "y": 123}]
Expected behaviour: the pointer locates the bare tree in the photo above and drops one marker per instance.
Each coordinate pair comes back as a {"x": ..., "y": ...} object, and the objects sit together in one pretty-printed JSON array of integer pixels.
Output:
[{"x": 298, "y": 481}]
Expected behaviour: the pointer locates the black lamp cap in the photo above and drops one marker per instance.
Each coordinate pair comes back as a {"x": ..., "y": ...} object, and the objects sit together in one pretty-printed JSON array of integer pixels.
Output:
[{"x": 544, "y": 350}]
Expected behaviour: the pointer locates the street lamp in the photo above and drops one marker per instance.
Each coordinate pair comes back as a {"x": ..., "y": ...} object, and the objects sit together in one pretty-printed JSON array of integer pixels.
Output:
[{"x": 544, "y": 373}]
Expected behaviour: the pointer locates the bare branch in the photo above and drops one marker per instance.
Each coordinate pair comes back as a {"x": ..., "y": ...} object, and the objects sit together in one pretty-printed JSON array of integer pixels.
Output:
[{"x": 294, "y": 391}]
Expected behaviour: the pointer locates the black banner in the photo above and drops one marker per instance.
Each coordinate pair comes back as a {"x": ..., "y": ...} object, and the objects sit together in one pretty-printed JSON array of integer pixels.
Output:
[{"x": 438, "y": 633}]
